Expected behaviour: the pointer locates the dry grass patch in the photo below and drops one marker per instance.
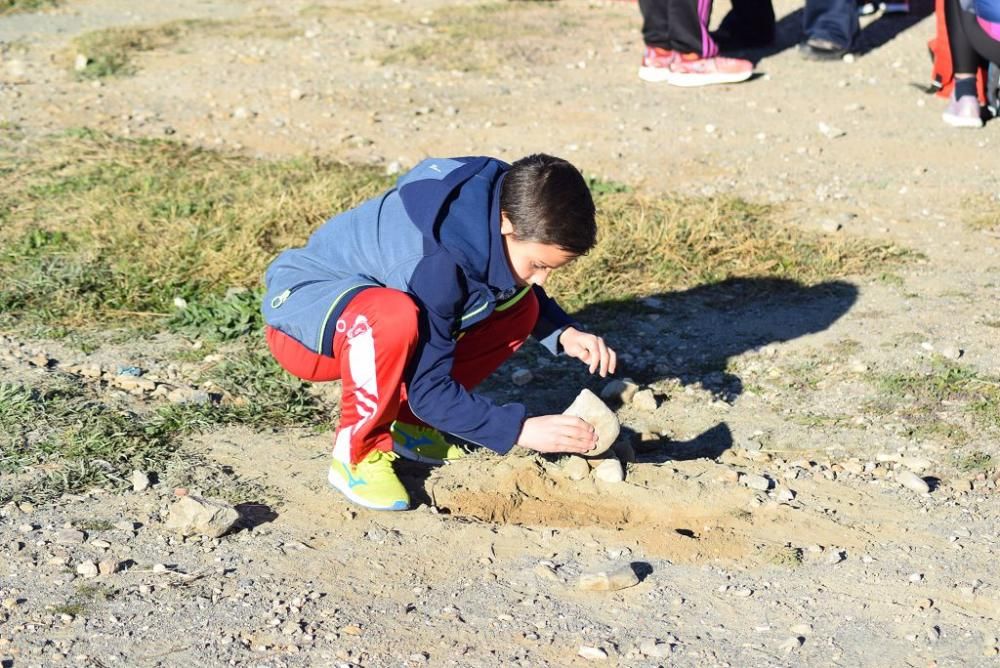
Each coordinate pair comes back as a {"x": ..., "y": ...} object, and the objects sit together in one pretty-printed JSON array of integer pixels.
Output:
[
  {"x": 109, "y": 52},
  {"x": 648, "y": 245},
  {"x": 15, "y": 6}
]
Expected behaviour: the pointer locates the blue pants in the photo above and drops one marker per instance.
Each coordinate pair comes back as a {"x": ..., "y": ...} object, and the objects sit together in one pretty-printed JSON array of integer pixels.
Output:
[{"x": 834, "y": 20}]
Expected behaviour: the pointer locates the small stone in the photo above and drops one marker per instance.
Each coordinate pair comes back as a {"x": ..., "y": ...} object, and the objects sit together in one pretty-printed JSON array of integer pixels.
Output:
[
  {"x": 610, "y": 470},
  {"x": 655, "y": 649},
  {"x": 952, "y": 352},
  {"x": 916, "y": 577},
  {"x": 295, "y": 94},
  {"x": 592, "y": 653},
  {"x": 575, "y": 468},
  {"x": 754, "y": 481},
  {"x": 784, "y": 495},
  {"x": 588, "y": 407},
  {"x": 241, "y": 113},
  {"x": 108, "y": 566},
  {"x": 545, "y": 571},
  {"x": 912, "y": 481},
  {"x": 830, "y": 226},
  {"x": 933, "y": 634},
  {"x": 916, "y": 464},
  {"x": 791, "y": 644},
  {"x": 70, "y": 537},
  {"x": 88, "y": 569},
  {"x": 644, "y": 400},
  {"x": 521, "y": 377},
  {"x": 192, "y": 515},
  {"x": 801, "y": 629},
  {"x": 621, "y": 390},
  {"x": 140, "y": 481},
  {"x": 620, "y": 578},
  {"x": 835, "y": 557},
  {"x": 160, "y": 569},
  {"x": 830, "y": 131},
  {"x": 80, "y": 62}
]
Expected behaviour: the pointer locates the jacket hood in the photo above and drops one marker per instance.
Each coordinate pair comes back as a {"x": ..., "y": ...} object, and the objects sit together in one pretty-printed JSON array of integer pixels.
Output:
[{"x": 445, "y": 199}]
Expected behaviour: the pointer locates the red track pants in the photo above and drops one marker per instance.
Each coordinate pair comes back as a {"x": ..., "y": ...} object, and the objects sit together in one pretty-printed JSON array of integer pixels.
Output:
[{"x": 375, "y": 339}]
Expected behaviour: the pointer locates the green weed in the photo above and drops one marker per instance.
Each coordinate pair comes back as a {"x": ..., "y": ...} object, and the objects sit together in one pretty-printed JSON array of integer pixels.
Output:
[
  {"x": 104, "y": 232},
  {"x": 84, "y": 599},
  {"x": 15, "y": 6},
  {"x": 109, "y": 51},
  {"x": 975, "y": 461},
  {"x": 783, "y": 556}
]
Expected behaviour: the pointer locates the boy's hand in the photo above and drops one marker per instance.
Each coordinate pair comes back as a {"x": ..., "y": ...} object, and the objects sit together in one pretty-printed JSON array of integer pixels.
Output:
[
  {"x": 589, "y": 349},
  {"x": 557, "y": 433}
]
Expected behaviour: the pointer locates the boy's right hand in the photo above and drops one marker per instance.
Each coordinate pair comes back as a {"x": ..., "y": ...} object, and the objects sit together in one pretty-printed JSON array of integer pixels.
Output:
[{"x": 557, "y": 433}]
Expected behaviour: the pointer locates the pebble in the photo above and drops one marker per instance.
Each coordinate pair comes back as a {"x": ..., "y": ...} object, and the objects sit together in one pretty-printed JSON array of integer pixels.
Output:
[
  {"x": 933, "y": 634},
  {"x": 791, "y": 644},
  {"x": 754, "y": 481},
  {"x": 610, "y": 470},
  {"x": 575, "y": 468},
  {"x": 655, "y": 649},
  {"x": 592, "y": 653},
  {"x": 191, "y": 515},
  {"x": 140, "y": 481},
  {"x": 621, "y": 390},
  {"x": 916, "y": 577},
  {"x": 88, "y": 569},
  {"x": 952, "y": 352},
  {"x": 108, "y": 566},
  {"x": 917, "y": 464},
  {"x": 620, "y": 578},
  {"x": 801, "y": 629},
  {"x": 644, "y": 400},
  {"x": 912, "y": 481},
  {"x": 835, "y": 557},
  {"x": 784, "y": 495},
  {"x": 70, "y": 537},
  {"x": 829, "y": 131},
  {"x": 546, "y": 571},
  {"x": 80, "y": 62},
  {"x": 521, "y": 377}
]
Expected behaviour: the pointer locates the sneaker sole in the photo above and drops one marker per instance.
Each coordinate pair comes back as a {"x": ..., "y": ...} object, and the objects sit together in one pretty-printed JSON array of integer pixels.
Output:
[
  {"x": 961, "y": 121},
  {"x": 344, "y": 488},
  {"x": 693, "y": 80},
  {"x": 654, "y": 74}
]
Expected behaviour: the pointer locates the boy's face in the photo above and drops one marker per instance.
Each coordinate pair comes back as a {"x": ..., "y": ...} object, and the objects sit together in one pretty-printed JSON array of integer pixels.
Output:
[{"x": 531, "y": 262}]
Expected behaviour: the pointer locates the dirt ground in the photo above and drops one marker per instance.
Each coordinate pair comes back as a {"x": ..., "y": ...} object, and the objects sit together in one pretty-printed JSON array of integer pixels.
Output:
[{"x": 837, "y": 563}]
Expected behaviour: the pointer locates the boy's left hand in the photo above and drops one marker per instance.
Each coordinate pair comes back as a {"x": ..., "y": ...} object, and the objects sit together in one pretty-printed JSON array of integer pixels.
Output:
[{"x": 589, "y": 349}]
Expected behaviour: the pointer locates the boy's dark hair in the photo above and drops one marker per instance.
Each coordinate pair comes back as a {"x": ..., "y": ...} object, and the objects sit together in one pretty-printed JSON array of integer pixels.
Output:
[{"x": 547, "y": 201}]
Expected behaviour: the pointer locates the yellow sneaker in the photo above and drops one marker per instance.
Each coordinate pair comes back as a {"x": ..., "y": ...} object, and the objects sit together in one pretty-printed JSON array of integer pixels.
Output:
[
  {"x": 423, "y": 444},
  {"x": 371, "y": 483}
]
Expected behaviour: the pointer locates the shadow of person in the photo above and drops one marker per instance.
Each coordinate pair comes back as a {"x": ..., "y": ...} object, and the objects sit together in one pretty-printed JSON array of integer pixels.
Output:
[
  {"x": 691, "y": 335},
  {"x": 788, "y": 32}
]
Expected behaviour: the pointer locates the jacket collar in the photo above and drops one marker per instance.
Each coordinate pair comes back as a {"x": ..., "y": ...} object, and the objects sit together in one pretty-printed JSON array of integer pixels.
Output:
[{"x": 499, "y": 276}]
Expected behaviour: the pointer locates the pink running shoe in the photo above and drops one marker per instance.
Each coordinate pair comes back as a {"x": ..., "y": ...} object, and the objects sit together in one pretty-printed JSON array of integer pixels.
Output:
[
  {"x": 656, "y": 64},
  {"x": 963, "y": 112},
  {"x": 690, "y": 70}
]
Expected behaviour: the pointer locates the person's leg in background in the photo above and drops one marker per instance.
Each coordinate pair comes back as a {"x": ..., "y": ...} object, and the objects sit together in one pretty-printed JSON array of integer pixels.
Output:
[
  {"x": 963, "y": 110},
  {"x": 748, "y": 25},
  {"x": 680, "y": 50},
  {"x": 831, "y": 27}
]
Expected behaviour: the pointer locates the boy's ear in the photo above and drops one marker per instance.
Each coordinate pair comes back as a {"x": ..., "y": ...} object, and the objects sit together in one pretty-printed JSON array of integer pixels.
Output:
[{"x": 506, "y": 227}]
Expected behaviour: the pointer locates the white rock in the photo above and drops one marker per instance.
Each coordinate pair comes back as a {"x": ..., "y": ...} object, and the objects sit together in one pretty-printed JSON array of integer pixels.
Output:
[
  {"x": 829, "y": 131},
  {"x": 575, "y": 468},
  {"x": 801, "y": 629},
  {"x": 644, "y": 400},
  {"x": 620, "y": 578},
  {"x": 295, "y": 94},
  {"x": 952, "y": 352},
  {"x": 592, "y": 653},
  {"x": 912, "y": 481},
  {"x": 590, "y": 408},
  {"x": 191, "y": 515},
  {"x": 622, "y": 390},
  {"x": 791, "y": 644},
  {"x": 108, "y": 566},
  {"x": 521, "y": 377},
  {"x": 754, "y": 481},
  {"x": 140, "y": 481},
  {"x": 610, "y": 470},
  {"x": 80, "y": 62},
  {"x": 70, "y": 537},
  {"x": 784, "y": 495},
  {"x": 655, "y": 649},
  {"x": 88, "y": 569}
]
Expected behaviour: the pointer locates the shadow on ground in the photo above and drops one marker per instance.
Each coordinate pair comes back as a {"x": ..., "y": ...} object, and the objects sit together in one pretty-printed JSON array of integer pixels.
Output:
[{"x": 788, "y": 32}]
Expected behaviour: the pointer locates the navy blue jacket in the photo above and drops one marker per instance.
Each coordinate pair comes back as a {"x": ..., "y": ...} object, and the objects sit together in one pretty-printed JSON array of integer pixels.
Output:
[{"x": 436, "y": 236}]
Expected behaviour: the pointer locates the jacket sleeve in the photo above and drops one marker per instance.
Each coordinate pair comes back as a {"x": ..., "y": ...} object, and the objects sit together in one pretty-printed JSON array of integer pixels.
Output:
[
  {"x": 552, "y": 321},
  {"x": 438, "y": 287}
]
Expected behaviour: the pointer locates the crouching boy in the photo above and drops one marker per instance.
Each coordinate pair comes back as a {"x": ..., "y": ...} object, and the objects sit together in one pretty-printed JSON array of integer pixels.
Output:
[{"x": 416, "y": 296}]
